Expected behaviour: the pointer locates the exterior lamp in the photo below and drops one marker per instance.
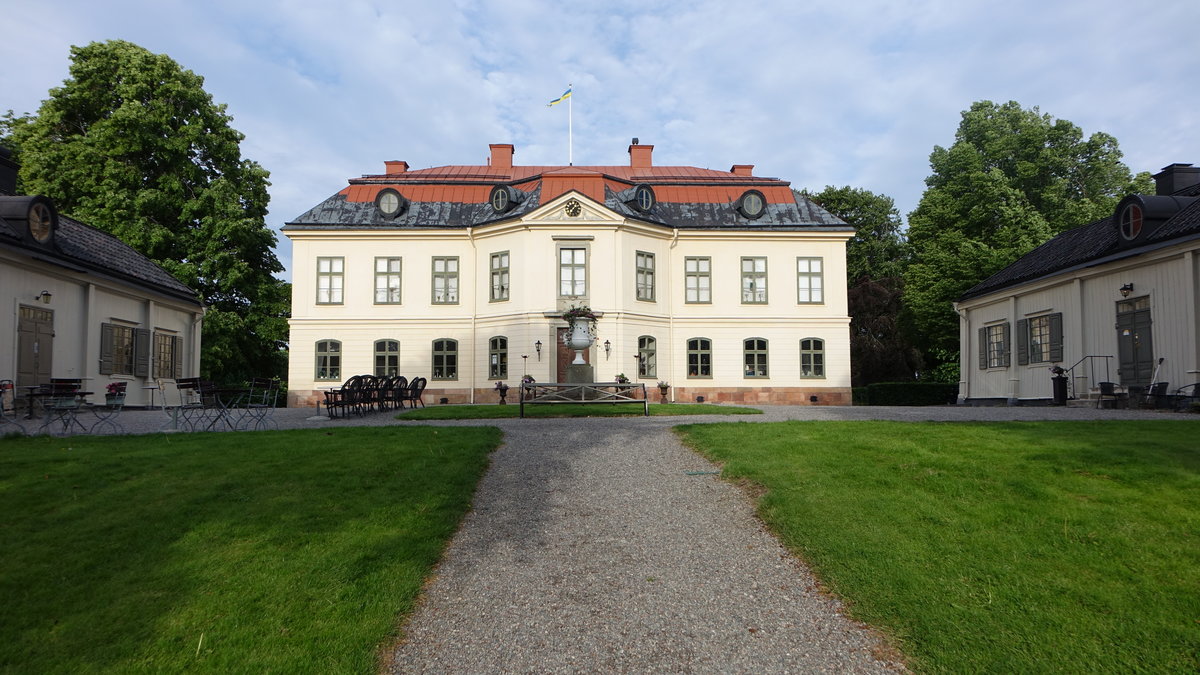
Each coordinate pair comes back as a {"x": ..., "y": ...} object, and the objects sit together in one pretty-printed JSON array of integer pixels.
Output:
[
  {"x": 45, "y": 297},
  {"x": 1126, "y": 290},
  {"x": 524, "y": 365},
  {"x": 537, "y": 346},
  {"x": 607, "y": 349}
]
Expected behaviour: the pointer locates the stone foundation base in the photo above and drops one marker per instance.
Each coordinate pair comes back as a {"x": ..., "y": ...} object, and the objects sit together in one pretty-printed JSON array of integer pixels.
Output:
[
  {"x": 762, "y": 395},
  {"x": 299, "y": 398}
]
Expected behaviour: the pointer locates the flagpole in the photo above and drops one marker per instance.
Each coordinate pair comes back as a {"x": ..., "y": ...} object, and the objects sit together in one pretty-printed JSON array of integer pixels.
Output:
[{"x": 570, "y": 128}]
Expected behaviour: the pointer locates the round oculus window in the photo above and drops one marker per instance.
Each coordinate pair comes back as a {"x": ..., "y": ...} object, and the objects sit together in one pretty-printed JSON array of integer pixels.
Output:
[
  {"x": 501, "y": 198},
  {"x": 390, "y": 203},
  {"x": 41, "y": 222},
  {"x": 1131, "y": 222},
  {"x": 643, "y": 198},
  {"x": 752, "y": 204}
]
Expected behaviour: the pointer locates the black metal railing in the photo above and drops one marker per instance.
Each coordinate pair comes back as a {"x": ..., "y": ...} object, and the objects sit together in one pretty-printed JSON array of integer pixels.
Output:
[{"x": 1091, "y": 361}]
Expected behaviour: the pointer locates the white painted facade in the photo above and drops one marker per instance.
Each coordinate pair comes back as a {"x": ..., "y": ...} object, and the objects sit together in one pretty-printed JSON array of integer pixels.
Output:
[
  {"x": 612, "y": 243},
  {"x": 1088, "y": 299}
]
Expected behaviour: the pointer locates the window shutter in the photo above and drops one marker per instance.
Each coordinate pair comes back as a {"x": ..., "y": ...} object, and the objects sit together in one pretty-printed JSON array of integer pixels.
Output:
[
  {"x": 106, "y": 349},
  {"x": 1006, "y": 336},
  {"x": 1023, "y": 342},
  {"x": 141, "y": 352},
  {"x": 177, "y": 355},
  {"x": 1056, "y": 337},
  {"x": 983, "y": 349}
]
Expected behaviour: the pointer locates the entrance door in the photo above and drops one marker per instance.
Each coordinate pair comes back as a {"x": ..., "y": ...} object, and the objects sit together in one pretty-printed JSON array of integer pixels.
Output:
[
  {"x": 566, "y": 355},
  {"x": 35, "y": 346},
  {"x": 1135, "y": 348}
]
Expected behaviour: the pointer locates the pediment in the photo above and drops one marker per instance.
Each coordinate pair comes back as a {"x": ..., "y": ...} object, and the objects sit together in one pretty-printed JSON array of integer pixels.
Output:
[{"x": 573, "y": 207}]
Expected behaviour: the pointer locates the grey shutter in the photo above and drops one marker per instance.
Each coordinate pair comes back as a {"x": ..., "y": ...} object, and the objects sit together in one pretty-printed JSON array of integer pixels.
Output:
[
  {"x": 177, "y": 355},
  {"x": 1006, "y": 336},
  {"x": 983, "y": 348},
  {"x": 1023, "y": 342},
  {"x": 1056, "y": 338},
  {"x": 141, "y": 352},
  {"x": 106, "y": 349}
]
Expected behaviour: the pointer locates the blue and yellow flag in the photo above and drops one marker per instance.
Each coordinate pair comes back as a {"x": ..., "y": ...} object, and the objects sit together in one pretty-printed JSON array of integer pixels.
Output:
[{"x": 566, "y": 95}]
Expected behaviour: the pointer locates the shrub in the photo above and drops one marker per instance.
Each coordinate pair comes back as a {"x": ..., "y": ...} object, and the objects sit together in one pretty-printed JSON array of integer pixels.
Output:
[{"x": 910, "y": 393}]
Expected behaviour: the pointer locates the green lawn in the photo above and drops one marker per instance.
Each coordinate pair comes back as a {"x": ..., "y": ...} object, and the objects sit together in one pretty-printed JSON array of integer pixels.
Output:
[
  {"x": 292, "y": 551},
  {"x": 475, "y": 412},
  {"x": 1014, "y": 547}
]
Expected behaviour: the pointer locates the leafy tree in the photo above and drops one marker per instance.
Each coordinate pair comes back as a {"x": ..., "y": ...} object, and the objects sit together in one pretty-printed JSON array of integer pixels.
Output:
[
  {"x": 133, "y": 145},
  {"x": 875, "y": 259},
  {"x": 1012, "y": 179},
  {"x": 877, "y": 250}
]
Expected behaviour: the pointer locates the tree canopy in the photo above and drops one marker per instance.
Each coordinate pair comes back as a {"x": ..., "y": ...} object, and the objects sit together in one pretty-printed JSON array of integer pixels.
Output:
[
  {"x": 133, "y": 145},
  {"x": 875, "y": 261},
  {"x": 1012, "y": 179}
]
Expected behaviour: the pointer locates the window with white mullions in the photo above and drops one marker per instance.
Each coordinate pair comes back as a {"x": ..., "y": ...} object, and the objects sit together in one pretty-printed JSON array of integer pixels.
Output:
[
  {"x": 697, "y": 275},
  {"x": 500, "y": 276},
  {"x": 330, "y": 273},
  {"x": 572, "y": 272},
  {"x": 810, "y": 281},
  {"x": 387, "y": 281},
  {"x": 645, "y": 276},
  {"x": 754, "y": 281},
  {"x": 445, "y": 281}
]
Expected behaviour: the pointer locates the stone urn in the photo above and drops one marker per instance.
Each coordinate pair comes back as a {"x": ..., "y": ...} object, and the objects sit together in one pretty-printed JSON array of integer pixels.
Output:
[
  {"x": 579, "y": 339},
  {"x": 503, "y": 392}
]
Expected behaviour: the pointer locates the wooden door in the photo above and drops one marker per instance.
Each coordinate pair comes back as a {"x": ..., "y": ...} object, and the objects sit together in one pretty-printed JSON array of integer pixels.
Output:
[
  {"x": 565, "y": 355},
  {"x": 35, "y": 346},
  {"x": 1135, "y": 346}
]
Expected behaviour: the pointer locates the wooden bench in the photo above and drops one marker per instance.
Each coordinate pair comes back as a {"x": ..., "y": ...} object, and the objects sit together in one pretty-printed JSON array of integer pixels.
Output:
[{"x": 538, "y": 393}]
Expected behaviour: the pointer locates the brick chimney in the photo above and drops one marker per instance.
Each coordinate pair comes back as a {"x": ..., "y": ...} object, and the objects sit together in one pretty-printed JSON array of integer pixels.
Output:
[
  {"x": 742, "y": 170},
  {"x": 395, "y": 166},
  {"x": 639, "y": 155},
  {"x": 502, "y": 156},
  {"x": 1176, "y": 177}
]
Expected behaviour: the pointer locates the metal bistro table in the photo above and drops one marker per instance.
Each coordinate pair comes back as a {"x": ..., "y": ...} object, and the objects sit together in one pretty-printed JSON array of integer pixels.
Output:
[{"x": 62, "y": 405}]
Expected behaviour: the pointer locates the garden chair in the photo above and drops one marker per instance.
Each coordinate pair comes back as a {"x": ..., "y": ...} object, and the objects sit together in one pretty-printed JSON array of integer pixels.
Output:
[
  {"x": 386, "y": 392},
  {"x": 399, "y": 391},
  {"x": 107, "y": 414},
  {"x": 415, "y": 389},
  {"x": 1187, "y": 396},
  {"x": 8, "y": 409},
  {"x": 258, "y": 406},
  {"x": 344, "y": 399}
]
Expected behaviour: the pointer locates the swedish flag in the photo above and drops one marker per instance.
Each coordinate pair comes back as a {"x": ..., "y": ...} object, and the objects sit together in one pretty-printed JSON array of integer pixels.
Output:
[{"x": 566, "y": 95}]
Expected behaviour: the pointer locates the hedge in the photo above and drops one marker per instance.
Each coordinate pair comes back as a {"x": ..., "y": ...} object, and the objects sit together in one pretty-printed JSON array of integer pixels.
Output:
[{"x": 906, "y": 393}]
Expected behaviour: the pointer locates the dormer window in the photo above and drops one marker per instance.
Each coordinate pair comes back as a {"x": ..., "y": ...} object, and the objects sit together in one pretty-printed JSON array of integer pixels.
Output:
[
  {"x": 390, "y": 203},
  {"x": 1130, "y": 221},
  {"x": 505, "y": 197},
  {"x": 752, "y": 204},
  {"x": 643, "y": 198}
]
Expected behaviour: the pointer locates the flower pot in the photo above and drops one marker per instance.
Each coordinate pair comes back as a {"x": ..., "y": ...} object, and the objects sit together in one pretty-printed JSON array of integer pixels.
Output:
[
  {"x": 579, "y": 339},
  {"x": 114, "y": 399}
]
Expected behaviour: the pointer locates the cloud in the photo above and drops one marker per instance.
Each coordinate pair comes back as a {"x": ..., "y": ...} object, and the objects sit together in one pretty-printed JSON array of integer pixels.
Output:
[{"x": 815, "y": 93}]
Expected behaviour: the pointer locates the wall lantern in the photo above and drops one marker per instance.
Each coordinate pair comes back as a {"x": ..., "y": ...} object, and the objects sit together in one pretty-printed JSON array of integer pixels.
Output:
[
  {"x": 45, "y": 297},
  {"x": 537, "y": 346},
  {"x": 1126, "y": 290},
  {"x": 607, "y": 349}
]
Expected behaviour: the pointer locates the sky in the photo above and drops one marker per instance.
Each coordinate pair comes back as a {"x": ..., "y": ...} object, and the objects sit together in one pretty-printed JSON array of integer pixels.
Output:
[{"x": 816, "y": 93}]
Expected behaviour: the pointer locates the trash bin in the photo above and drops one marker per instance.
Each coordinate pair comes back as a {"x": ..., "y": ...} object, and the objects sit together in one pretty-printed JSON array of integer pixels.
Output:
[{"x": 1060, "y": 389}]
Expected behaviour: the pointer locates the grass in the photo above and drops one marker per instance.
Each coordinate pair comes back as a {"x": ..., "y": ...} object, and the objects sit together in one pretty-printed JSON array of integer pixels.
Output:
[
  {"x": 1009, "y": 547},
  {"x": 291, "y": 551},
  {"x": 473, "y": 412}
]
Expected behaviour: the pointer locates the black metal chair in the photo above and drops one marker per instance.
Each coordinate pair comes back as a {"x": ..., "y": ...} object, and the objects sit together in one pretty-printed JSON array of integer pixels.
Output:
[
  {"x": 1187, "y": 396},
  {"x": 399, "y": 391},
  {"x": 107, "y": 415},
  {"x": 258, "y": 406},
  {"x": 1108, "y": 389}
]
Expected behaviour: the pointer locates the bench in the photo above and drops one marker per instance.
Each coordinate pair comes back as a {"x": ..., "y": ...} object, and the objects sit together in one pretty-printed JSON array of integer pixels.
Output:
[{"x": 538, "y": 393}]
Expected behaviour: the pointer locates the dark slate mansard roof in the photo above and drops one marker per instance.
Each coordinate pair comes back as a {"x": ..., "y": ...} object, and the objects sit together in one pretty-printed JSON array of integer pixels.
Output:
[
  {"x": 1090, "y": 245},
  {"x": 83, "y": 248},
  {"x": 337, "y": 212}
]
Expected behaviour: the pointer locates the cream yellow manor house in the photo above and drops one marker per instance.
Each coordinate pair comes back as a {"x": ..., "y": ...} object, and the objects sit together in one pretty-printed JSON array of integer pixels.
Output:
[{"x": 727, "y": 285}]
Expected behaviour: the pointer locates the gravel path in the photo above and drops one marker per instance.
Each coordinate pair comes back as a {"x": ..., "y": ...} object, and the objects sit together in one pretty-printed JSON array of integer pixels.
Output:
[{"x": 603, "y": 544}]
